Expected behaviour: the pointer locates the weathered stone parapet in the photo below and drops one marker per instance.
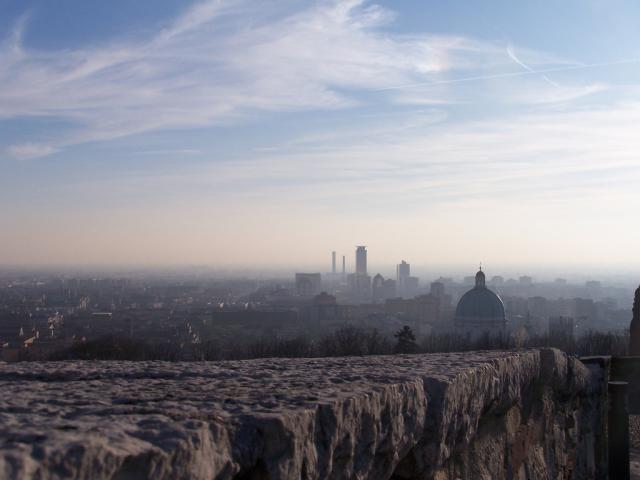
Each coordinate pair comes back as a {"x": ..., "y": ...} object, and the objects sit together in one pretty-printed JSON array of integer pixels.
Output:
[{"x": 493, "y": 415}]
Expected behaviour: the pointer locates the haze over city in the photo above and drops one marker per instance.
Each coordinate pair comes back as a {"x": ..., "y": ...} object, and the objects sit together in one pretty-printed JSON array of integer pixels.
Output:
[
  {"x": 319, "y": 239},
  {"x": 238, "y": 134}
]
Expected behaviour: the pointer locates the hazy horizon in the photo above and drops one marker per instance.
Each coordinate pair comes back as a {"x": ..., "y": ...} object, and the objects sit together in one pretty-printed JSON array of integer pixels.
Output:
[
  {"x": 576, "y": 274},
  {"x": 229, "y": 134}
]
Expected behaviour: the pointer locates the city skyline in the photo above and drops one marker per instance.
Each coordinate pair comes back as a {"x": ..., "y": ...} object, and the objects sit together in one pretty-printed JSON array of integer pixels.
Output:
[{"x": 224, "y": 134}]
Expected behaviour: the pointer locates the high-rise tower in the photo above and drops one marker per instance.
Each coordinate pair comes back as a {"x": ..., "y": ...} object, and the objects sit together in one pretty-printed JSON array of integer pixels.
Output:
[
  {"x": 361, "y": 260},
  {"x": 333, "y": 262},
  {"x": 403, "y": 272}
]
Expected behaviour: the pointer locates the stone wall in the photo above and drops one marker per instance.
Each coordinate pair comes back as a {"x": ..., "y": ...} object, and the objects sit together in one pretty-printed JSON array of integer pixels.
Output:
[
  {"x": 485, "y": 415},
  {"x": 627, "y": 369}
]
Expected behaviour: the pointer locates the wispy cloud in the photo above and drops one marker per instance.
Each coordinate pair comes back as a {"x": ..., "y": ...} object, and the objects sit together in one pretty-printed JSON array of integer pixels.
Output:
[
  {"x": 460, "y": 141},
  {"x": 474, "y": 78},
  {"x": 513, "y": 56},
  {"x": 516, "y": 156},
  {"x": 179, "y": 151},
  {"x": 25, "y": 151},
  {"x": 221, "y": 61},
  {"x": 541, "y": 156}
]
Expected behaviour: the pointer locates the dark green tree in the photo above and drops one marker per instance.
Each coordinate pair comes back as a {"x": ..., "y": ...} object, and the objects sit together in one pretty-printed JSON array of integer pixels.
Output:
[{"x": 406, "y": 341}]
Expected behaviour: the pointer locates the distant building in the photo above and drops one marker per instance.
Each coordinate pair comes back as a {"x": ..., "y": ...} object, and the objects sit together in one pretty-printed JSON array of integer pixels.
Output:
[
  {"x": 382, "y": 289},
  {"x": 411, "y": 286},
  {"x": 308, "y": 284},
  {"x": 437, "y": 289},
  {"x": 390, "y": 288},
  {"x": 250, "y": 322},
  {"x": 403, "y": 272},
  {"x": 359, "y": 283},
  {"x": 377, "y": 284},
  {"x": 333, "y": 262},
  {"x": 584, "y": 309},
  {"x": 361, "y": 260},
  {"x": 422, "y": 312},
  {"x": 538, "y": 306},
  {"x": 561, "y": 328},
  {"x": 593, "y": 286},
  {"x": 324, "y": 310},
  {"x": 359, "y": 286},
  {"x": 526, "y": 281},
  {"x": 497, "y": 281},
  {"x": 480, "y": 311}
]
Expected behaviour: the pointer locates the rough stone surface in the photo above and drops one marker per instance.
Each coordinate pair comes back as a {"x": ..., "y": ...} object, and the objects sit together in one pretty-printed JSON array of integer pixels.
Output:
[
  {"x": 484, "y": 415},
  {"x": 634, "y": 431},
  {"x": 634, "y": 457}
]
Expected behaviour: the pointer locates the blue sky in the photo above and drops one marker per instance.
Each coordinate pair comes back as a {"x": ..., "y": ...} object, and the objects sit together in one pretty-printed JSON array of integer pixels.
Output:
[{"x": 236, "y": 133}]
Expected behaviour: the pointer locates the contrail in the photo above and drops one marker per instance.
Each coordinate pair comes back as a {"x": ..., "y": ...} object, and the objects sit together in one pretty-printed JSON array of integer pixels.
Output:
[
  {"x": 512, "y": 56},
  {"x": 511, "y": 74}
]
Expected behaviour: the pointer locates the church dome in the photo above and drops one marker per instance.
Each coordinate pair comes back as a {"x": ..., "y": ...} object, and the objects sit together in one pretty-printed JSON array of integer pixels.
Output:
[{"x": 480, "y": 303}]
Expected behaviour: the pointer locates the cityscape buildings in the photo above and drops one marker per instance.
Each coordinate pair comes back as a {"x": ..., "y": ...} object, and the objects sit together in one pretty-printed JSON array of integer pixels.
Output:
[
  {"x": 308, "y": 284},
  {"x": 42, "y": 316}
]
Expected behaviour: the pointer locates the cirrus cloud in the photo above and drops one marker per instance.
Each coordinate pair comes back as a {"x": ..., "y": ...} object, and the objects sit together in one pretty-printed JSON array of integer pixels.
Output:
[{"x": 221, "y": 62}]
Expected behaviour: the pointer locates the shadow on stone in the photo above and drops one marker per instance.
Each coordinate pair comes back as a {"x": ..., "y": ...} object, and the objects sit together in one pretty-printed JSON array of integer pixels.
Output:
[{"x": 256, "y": 472}]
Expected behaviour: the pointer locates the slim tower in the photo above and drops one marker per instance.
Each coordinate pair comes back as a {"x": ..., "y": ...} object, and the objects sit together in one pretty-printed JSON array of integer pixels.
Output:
[
  {"x": 361, "y": 260},
  {"x": 403, "y": 270},
  {"x": 344, "y": 266},
  {"x": 333, "y": 262}
]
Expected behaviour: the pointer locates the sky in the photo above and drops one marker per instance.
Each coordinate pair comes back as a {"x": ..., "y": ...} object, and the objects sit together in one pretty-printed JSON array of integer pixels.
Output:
[{"x": 243, "y": 133}]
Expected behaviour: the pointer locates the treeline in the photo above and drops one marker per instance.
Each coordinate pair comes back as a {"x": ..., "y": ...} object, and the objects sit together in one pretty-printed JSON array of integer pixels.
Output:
[{"x": 348, "y": 341}]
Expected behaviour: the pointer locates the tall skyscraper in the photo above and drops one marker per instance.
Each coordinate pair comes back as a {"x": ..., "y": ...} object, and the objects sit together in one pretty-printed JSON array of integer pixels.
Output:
[
  {"x": 403, "y": 270},
  {"x": 333, "y": 262},
  {"x": 344, "y": 265},
  {"x": 361, "y": 260}
]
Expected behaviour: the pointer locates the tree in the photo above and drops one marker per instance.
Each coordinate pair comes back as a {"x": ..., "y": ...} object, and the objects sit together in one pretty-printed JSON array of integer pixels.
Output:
[{"x": 406, "y": 341}]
